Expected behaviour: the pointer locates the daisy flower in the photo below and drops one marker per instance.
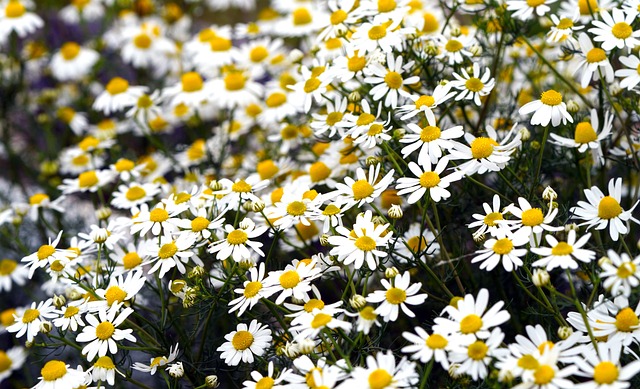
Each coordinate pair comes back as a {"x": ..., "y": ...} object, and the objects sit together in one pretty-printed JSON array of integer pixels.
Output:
[
  {"x": 29, "y": 321},
  {"x": 77, "y": 121},
  {"x": 524, "y": 9},
  {"x": 618, "y": 321},
  {"x": 620, "y": 273},
  {"x": 588, "y": 135},
  {"x": 104, "y": 370},
  {"x": 502, "y": 249},
  {"x": 431, "y": 140},
  {"x": 605, "y": 211},
  {"x": 46, "y": 255},
  {"x": 191, "y": 91},
  {"x": 563, "y": 28},
  {"x": 427, "y": 180},
  {"x": 365, "y": 189},
  {"x": 144, "y": 45},
  {"x": 120, "y": 289},
  {"x": 548, "y": 109},
  {"x": 386, "y": 36},
  {"x": 133, "y": 194},
  {"x": 382, "y": 371},
  {"x": 563, "y": 254},
  {"x": 547, "y": 374},
  {"x": 485, "y": 153},
  {"x": 239, "y": 191},
  {"x": 604, "y": 368},
  {"x": 238, "y": 241},
  {"x": 90, "y": 181},
  {"x": 477, "y": 354},
  {"x": 245, "y": 342},
  {"x": 426, "y": 103},
  {"x": 11, "y": 272},
  {"x": 400, "y": 294},
  {"x": 268, "y": 381},
  {"x": 454, "y": 49},
  {"x": 366, "y": 319},
  {"x": 297, "y": 205},
  {"x": 340, "y": 19},
  {"x": 293, "y": 281},
  {"x": 172, "y": 253},
  {"x": 118, "y": 94},
  {"x": 57, "y": 374},
  {"x": 160, "y": 220},
  {"x": 537, "y": 343},
  {"x": 531, "y": 221},
  {"x": 71, "y": 316},
  {"x": 389, "y": 81},
  {"x": 311, "y": 87},
  {"x": 471, "y": 316},
  {"x": 302, "y": 21},
  {"x": 15, "y": 17},
  {"x": 425, "y": 347},
  {"x": 473, "y": 87},
  {"x": 416, "y": 242},
  {"x": 102, "y": 332},
  {"x": 251, "y": 292},
  {"x": 310, "y": 324},
  {"x": 615, "y": 29},
  {"x": 594, "y": 64},
  {"x": 489, "y": 222},
  {"x": 10, "y": 360},
  {"x": 235, "y": 89},
  {"x": 360, "y": 244},
  {"x": 156, "y": 362},
  {"x": 72, "y": 62},
  {"x": 629, "y": 74},
  {"x": 332, "y": 120}
]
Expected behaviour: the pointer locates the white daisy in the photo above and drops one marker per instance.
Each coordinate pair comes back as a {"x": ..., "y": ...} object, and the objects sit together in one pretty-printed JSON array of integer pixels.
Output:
[
  {"x": 170, "y": 253},
  {"x": 251, "y": 292},
  {"x": 548, "y": 109},
  {"x": 118, "y": 94},
  {"x": 28, "y": 322},
  {"x": 525, "y": 9},
  {"x": 365, "y": 189},
  {"x": 245, "y": 342},
  {"x": 477, "y": 354},
  {"x": 588, "y": 135},
  {"x": 427, "y": 180},
  {"x": 502, "y": 249},
  {"x": 630, "y": 74},
  {"x": 485, "y": 153},
  {"x": 57, "y": 374},
  {"x": 620, "y": 273},
  {"x": 10, "y": 360},
  {"x": 72, "y": 62},
  {"x": 474, "y": 86},
  {"x": 426, "y": 103},
  {"x": 401, "y": 294},
  {"x": 238, "y": 241},
  {"x": 425, "y": 347},
  {"x": 489, "y": 222},
  {"x": 615, "y": 30},
  {"x": 431, "y": 140},
  {"x": 293, "y": 281},
  {"x": 594, "y": 64},
  {"x": 382, "y": 371},
  {"x": 605, "y": 368},
  {"x": 102, "y": 332},
  {"x": 563, "y": 254},
  {"x": 389, "y": 81}
]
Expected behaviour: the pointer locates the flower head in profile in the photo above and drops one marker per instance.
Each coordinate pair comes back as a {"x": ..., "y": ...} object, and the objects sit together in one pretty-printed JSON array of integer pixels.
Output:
[
  {"x": 548, "y": 109},
  {"x": 588, "y": 135}
]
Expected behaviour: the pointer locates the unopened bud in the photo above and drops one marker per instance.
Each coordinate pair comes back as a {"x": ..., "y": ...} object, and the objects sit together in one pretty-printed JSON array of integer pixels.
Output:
[
  {"x": 454, "y": 370},
  {"x": 357, "y": 301},
  {"x": 290, "y": 350},
  {"x": 399, "y": 133},
  {"x": 324, "y": 239},
  {"x": 525, "y": 134},
  {"x": 29, "y": 343},
  {"x": 372, "y": 161},
  {"x": 246, "y": 224},
  {"x": 431, "y": 49},
  {"x": 391, "y": 272},
  {"x": 103, "y": 213},
  {"x": 395, "y": 212},
  {"x": 73, "y": 294},
  {"x": 604, "y": 260},
  {"x": 211, "y": 381},
  {"x": 257, "y": 206},
  {"x": 196, "y": 272},
  {"x": 571, "y": 227},
  {"x": 354, "y": 97},
  {"x": 59, "y": 301},
  {"x": 475, "y": 50},
  {"x": 176, "y": 286},
  {"x": 245, "y": 265},
  {"x": 306, "y": 346},
  {"x": 378, "y": 220},
  {"x": 215, "y": 185},
  {"x": 564, "y": 332},
  {"x": 295, "y": 55},
  {"x": 478, "y": 237},
  {"x": 572, "y": 106},
  {"x": 46, "y": 327},
  {"x": 549, "y": 194},
  {"x": 247, "y": 206},
  {"x": 535, "y": 145},
  {"x": 99, "y": 235},
  {"x": 176, "y": 370},
  {"x": 540, "y": 277}
]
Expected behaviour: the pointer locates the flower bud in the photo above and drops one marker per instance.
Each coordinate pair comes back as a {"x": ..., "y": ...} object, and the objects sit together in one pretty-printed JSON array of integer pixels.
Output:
[
  {"x": 257, "y": 206},
  {"x": 246, "y": 224},
  {"x": 378, "y": 220},
  {"x": 573, "y": 106},
  {"x": 399, "y": 133},
  {"x": 570, "y": 227},
  {"x": 29, "y": 344},
  {"x": 46, "y": 327},
  {"x": 372, "y": 161},
  {"x": 357, "y": 301},
  {"x": 564, "y": 332},
  {"x": 306, "y": 346},
  {"x": 211, "y": 381},
  {"x": 391, "y": 272},
  {"x": 475, "y": 50},
  {"x": 295, "y": 55},
  {"x": 99, "y": 235},
  {"x": 535, "y": 145},
  {"x": 103, "y": 213},
  {"x": 395, "y": 212},
  {"x": 290, "y": 350},
  {"x": 549, "y": 194},
  {"x": 247, "y": 206},
  {"x": 354, "y": 97},
  {"x": 324, "y": 239},
  {"x": 176, "y": 286},
  {"x": 478, "y": 238},
  {"x": 540, "y": 277},
  {"x": 59, "y": 301},
  {"x": 525, "y": 134},
  {"x": 176, "y": 370},
  {"x": 214, "y": 185},
  {"x": 73, "y": 294},
  {"x": 454, "y": 370},
  {"x": 196, "y": 272}
]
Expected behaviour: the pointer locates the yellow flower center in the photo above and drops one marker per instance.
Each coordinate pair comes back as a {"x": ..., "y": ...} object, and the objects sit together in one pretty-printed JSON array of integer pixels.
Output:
[
  {"x": 191, "y": 82},
  {"x": 338, "y": 17},
  {"x": 551, "y": 97},
  {"x": 426, "y": 101},
  {"x": 53, "y": 370},
  {"x": 241, "y": 187},
  {"x": 115, "y": 294},
  {"x": 117, "y": 85},
  {"x": 474, "y": 84},
  {"x": 491, "y": 218},
  {"x": 430, "y": 133},
  {"x": 135, "y": 193},
  {"x": 265, "y": 383},
  {"x": 528, "y": 362},
  {"x": 477, "y": 350},
  {"x": 596, "y": 55},
  {"x": 626, "y": 270},
  {"x": 365, "y": 119},
  {"x": 368, "y": 313},
  {"x": 289, "y": 279},
  {"x": 417, "y": 243},
  {"x": 333, "y": 118},
  {"x": 379, "y": 379},
  {"x": 14, "y": 9},
  {"x": 356, "y": 63},
  {"x": 30, "y": 315},
  {"x": 320, "y": 320},
  {"x": 588, "y": 6},
  {"x": 220, "y": 44},
  {"x": 386, "y": 5},
  {"x": 436, "y": 341},
  {"x": 5, "y": 361},
  {"x": 605, "y": 373},
  {"x": 301, "y": 16},
  {"x": 237, "y": 237},
  {"x": 377, "y": 32},
  {"x": 608, "y": 208},
  {"x": 105, "y": 363},
  {"x": 7, "y": 266},
  {"x": 453, "y": 45},
  {"x": 276, "y": 99},
  {"x": 242, "y": 340},
  {"x": 393, "y": 80},
  {"x": 252, "y": 289},
  {"x": 199, "y": 223},
  {"x": 80, "y": 160},
  {"x": 142, "y": 41},
  {"x": 131, "y": 260},
  {"x": 87, "y": 179},
  {"x": 311, "y": 84},
  {"x": 365, "y": 243},
  {"x": 104, "y": 330},
  {"x": 158, "y": 215},
  {"x": 361, "y": 189},
  {"x": 626, "y": 320},
  {"x": 562, "y": 248},
  {"x": 532, "y": 217},
  {"x": 429, "y": 179},
  {"x": 234, "y": 81},
  {"x": 543, "y": 375},
  {"x": 331, "y": 210},
  {"x": 312, "y": 304},
  {"x": 621, "y": 30},
  {"x": 503, "y": 246},
  {"x": 535, "y": 3},
  {"x": 167, "y": 250},
  {"x": 375, "y": 129},
  {"x": 585, "y": 133},
  {"x": 395, "y": 296},
  {"x": 88, "y": 143},
  {"x": 45, "y": 251},
  {"x": 258, "y": 53},
  {"x": 564, "y": 23},
  {"x": 70, "y": 50},
  {"x": 124, "y": 165},
  {"x": 71, "y": 311},
  {"x": 482, "y": 147},
  {"x": 296, "y": 208},
  {"x": 431, "y": 23},
  {"x": 470, "y": 324},
  {"x": 319, "y": 171}
]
